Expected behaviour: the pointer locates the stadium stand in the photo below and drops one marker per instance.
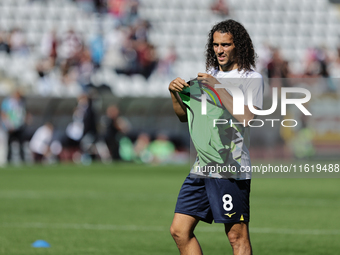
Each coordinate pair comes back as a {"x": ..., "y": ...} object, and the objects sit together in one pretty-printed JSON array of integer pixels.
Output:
[{"x": 292, "y": 26}]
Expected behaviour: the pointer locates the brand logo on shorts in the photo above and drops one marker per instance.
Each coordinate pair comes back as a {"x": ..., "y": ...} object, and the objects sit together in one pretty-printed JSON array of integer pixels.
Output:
[{"x": 230, "y": 214}]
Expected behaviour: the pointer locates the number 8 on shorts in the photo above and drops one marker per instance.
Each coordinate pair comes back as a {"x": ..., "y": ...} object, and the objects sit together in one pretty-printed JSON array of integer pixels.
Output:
[{"x": 227, "y": 202}]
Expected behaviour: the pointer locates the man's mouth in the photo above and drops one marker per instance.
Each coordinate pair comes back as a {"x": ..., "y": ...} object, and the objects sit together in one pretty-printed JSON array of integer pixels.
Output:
[{"x": 221, "y": 58}]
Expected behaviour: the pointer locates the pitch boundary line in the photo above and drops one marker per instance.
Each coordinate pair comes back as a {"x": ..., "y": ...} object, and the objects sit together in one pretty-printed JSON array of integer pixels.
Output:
[{"x": 162, "y": 229}]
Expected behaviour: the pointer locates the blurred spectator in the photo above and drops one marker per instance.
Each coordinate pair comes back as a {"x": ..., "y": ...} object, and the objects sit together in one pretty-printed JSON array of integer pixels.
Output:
[
  {"x": 166, "y": 63},
  {"x": 49, "y": 46},
  {"x": 90, "y": 134},
  {"x": 100, "y": 5},
  {"x": 82, "y": 128},
  {"x": 97, "y": 49},
  {"x": 132, "y": 12},
  {"x": 302, "y": 142},
  {"x": 85, "y": 69},
  {"x": 141, "y": 148},
  {"x": 17, "y": 42},
  {"x": 162, "y": 149},
  {"x": 71, "y": 44},
  {"x": 90, "y": 116},
  {"x": 117, "y": 8},
  {"x": 130, "y": 58},
  {"x": 147, "y": 58},
  {"x": 125, "y": 11},
  {"x": 335, "y": 65},
  {"x": 140, "y": 30},
  {"x": 319, "y": 64},
  {"x": 40, "y": 142},
  {"x": 141, "y": 58},
  {"x": 220, "y": 7},
  {"x": 323, "y": 58},
  {"x": 69, "y": 52},
  {"x": 278, "y": 68},
  {"x": 316, "y": 63},
  {"x": 4, "y": 43},
  {"x": 114, "y": 42},
  {"x": 45, "y": 84},
  {"x": 115, "y": 128},
  {"x": 13, "y": 116}
]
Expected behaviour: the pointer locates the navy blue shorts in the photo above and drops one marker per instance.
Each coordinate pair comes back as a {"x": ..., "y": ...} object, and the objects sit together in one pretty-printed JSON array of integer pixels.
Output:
[{"x": 221, "y": 200}]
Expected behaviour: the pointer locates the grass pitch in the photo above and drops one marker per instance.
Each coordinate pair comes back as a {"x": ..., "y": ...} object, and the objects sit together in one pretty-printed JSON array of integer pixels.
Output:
[{"x": 128, "y": 209}]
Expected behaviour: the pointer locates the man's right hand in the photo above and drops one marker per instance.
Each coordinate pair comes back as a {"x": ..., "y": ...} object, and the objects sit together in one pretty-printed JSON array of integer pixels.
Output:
[{"x": 177, "y": 85}]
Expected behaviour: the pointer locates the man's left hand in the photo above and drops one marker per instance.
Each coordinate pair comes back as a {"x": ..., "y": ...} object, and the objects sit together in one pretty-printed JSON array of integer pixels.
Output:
[{"x": 207, "y": 79}]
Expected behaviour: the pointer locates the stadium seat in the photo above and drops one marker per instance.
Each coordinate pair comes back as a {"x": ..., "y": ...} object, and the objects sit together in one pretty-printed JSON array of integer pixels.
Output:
[
  {"x": 4, "y": 58},
  {"x": 33, "y": 38},
  {"x": 28, "y": 78},
  {"x": 37, "y": 11},
  {"x": 7, "y": 12},
  {"x": 138, "y": 80},
  {"x": 22, "y": 12},
  {"x": 275, "y": 29}
]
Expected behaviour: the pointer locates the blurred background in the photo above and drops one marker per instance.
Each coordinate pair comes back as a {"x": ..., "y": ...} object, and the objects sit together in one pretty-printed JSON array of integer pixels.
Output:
[{"x": 87, "y": 80}]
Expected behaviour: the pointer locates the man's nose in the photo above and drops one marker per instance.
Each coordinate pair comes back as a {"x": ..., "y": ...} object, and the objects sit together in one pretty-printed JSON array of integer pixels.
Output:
[{"x": 219, "y": 49}]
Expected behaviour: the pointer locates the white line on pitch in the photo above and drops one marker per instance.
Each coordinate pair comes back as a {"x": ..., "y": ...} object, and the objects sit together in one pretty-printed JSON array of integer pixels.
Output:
[{"x": 160, "y": 228}]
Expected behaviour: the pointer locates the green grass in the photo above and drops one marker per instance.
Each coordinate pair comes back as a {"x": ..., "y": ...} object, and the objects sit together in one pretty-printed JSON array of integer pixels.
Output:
[{"x": 127, "y": 209}]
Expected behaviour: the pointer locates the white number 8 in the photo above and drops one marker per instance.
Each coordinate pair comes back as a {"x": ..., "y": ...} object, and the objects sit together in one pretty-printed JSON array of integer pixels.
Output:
[{"x": 227, "y": 204}]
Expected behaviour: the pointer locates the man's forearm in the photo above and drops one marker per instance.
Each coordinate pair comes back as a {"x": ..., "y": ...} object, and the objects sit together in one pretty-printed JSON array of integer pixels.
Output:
[{"x": 179, "y": 107}]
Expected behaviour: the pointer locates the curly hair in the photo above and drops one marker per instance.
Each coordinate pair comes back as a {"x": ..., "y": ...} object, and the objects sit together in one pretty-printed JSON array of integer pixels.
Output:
[{"x": 245, "y": 53}]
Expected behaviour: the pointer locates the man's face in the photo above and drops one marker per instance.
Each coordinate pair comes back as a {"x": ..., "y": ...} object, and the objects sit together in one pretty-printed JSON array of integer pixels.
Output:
[{"x": 224, "y": 50}]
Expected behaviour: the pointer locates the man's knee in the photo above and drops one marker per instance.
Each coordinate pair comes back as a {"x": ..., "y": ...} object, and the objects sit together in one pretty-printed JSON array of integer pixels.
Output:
[
  {"x": 238, "y": 236},
  {"x": 182, "y": 227},
  {"x": 174, "y": 231},
  {"x": 178, "y": 233},
  {"x": 235, "y": 238}
]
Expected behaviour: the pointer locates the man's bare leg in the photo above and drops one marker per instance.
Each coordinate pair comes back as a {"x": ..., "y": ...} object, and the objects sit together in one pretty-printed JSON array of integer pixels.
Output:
[
  {"x": 182, "y": 230},
  {"x": 238, "y": 235}
]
